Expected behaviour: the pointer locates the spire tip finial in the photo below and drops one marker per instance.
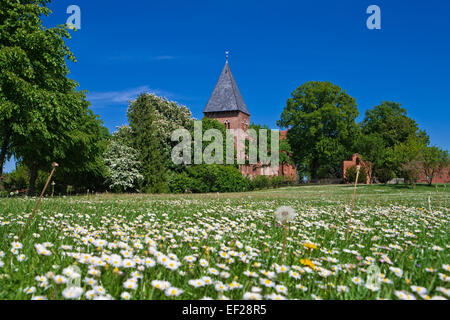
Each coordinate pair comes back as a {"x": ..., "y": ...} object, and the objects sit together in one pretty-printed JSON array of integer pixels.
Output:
[{"x": 227, "y": 54}]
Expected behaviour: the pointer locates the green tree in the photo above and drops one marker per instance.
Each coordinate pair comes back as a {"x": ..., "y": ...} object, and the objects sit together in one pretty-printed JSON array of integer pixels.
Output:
[
  {"x": 208, "y": 124},
  {"x": 434, "y": 160},
  {"x": 405, "y": 159},
  {"x": 124, "y": 136},
  {"x": 39, "y": 107},
  {"x": 385, "y": 129},
  {"x": 83, "y": 165},
  {"x": 391, "y": 122},
  {"x": 320, "y": 117},
  {"x": 123, "y": 165},
  {"x": 285, "y": 153},
  {"x": 142, "y": 116}
]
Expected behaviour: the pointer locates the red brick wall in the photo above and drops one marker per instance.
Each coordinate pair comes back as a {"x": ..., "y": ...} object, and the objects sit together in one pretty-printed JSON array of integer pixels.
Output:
[
  {"x": 237, "y": 119},
  {"x": 441, "y": 177},
  {"x": 355, "y": 161}
]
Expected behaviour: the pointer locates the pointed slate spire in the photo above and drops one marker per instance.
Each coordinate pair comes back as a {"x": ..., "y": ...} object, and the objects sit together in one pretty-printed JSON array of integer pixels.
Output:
[{"x": 226, "y": 95}]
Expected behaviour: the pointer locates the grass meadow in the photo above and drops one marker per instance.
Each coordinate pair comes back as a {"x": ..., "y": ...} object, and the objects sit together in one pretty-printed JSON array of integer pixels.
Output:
[{"x": 229, "y": 246}]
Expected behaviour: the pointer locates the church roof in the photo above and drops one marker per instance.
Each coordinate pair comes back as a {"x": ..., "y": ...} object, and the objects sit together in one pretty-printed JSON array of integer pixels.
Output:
[{"x": 226, "y": 95}]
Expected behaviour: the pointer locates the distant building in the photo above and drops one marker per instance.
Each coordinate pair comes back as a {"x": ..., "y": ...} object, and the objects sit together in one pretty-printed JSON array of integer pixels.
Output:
[
  {"x": 227, "y": 106},
  {"x": 441, "y": 177},
  {"x": 356, "y": 160}
]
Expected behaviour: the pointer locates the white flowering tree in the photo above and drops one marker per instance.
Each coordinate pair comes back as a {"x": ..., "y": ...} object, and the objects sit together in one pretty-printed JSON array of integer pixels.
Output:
[{"x": 123, "y": 167}]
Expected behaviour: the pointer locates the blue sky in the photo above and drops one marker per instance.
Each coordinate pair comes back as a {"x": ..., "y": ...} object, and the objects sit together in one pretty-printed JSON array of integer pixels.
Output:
[{"x": 176, "y": 49}]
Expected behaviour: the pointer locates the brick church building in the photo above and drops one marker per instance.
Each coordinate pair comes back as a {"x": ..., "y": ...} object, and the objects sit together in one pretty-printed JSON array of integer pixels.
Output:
[{"x": 227, "y": 106}]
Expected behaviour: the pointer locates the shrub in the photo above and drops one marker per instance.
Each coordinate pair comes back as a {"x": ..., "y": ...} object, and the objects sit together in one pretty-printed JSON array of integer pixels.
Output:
[
  {"x": 17, "y": 179},
  {"x": 350, "y": 175},
  {"x": 230, "y": 179},
  {"x": 212, "y": 178},
  {"x": 411, "y": 171},
  {"x": 4, "y": 194},
  {"x": 180, "y": 183},
  {"x": 385, "y": 175},
  {"x": 203, "y": 177},
  {"x": 277, "y": 181},
  {"x": 261, "y": 182}
]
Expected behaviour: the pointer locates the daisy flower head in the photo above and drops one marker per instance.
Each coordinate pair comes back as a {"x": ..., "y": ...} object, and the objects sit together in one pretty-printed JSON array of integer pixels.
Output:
[
  {"x": 234, "y": 285},
  {"x": 72, "y": 272},
  {"x": 59, "y": 279},
  {"x": 281, "y": 289},
  {"x": 208, "y": 281},
  {"x": 161, "y": 285},
  {"x": 252, "y": 296},
  {"x": 372, "y": 287},
  {"x": 419, "y": 290},
  {"x": 397, "y": 271},
  {"x": 125, "y": 295},
  {"x": 196, "y": 283},
  {"x": 301, "y": 287},
  {"x": 281, "y": 269},
  {"x": 219, "y": 286},
  {"x": 173, "y": 292},
  {"x": 72, "y": 293},
  {"x": 90, "y": 281},
  {"x": 267, "y": 283},
  {"x": 342, "y": 288},
  {"x": 29, "y": 290},
  {"x": 403, "y": 295},
  {"x": 89, "y": 294},
  {"x": 17, "y": 245},
  {"x": 204, "y": 263},
  {"x": 42, "y": 250},
  {"x": 21, "y": 257},
  {"x": 444, "y": 291},
  {"x": 149, "y": 262},
  {"x": 172, "y": 265},
  {"x": 251, "y": 274},
  {"x": 285, "y": 214},
  {"x": 275, "y": 296},
  {"x": 130, "y": 284},
  {"x": 128, "y": 263}
]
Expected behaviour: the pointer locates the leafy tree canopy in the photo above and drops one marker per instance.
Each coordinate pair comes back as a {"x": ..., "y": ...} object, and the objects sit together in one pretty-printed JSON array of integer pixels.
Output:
[
  {"x": 41, "y": 113},
  {"x": 320, "y": 117}
]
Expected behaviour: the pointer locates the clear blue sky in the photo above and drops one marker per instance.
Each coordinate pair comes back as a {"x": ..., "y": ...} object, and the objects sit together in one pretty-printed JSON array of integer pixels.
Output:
[{"x": 176, "y": 49}]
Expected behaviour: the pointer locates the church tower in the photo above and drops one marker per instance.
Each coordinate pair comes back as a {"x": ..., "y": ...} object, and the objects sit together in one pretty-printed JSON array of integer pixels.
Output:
[{"x": 226, "y": 104}]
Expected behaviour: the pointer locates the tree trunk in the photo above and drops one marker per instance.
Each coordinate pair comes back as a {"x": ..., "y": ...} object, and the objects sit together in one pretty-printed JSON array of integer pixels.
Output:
[
  {"x": 34, "y": 169},
  {"x": 430, "y": 179}
]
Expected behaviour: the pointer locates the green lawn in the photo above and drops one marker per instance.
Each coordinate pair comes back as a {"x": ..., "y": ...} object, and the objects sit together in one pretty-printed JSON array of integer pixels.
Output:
[{"x": 229, "y": 246}]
